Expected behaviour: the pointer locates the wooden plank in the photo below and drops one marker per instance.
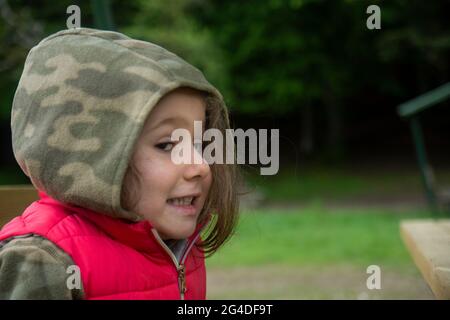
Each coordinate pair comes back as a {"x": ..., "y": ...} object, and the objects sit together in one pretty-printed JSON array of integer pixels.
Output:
[
  {"x": 428, "y": 242},
  {"x": 14, "y": 200}
]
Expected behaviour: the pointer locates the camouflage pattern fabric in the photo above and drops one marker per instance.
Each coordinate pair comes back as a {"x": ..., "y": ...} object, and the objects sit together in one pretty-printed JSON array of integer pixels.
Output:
[
  {"x": 80, "y": 105},
  {"x": 32, "y": 267}
]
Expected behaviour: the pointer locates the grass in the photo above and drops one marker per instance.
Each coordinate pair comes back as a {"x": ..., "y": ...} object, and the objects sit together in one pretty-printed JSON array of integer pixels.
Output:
[
  {"x": 315, "y": 252},
  {"x": 316, "y": 236}
]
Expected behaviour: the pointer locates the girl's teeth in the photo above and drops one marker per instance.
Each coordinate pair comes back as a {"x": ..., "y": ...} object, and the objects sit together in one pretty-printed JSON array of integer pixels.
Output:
[{"x": 181, "y": 201}]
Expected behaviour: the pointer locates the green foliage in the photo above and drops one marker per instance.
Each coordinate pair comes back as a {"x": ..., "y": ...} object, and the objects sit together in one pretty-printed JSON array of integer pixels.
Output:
[
  {"x": 286, "y": 53},
  {"x": 275, "y": 56}
]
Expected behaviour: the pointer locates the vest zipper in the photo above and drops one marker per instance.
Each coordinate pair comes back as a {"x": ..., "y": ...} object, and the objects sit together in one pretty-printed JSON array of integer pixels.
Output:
[
  {"x": 181, "y": 280},
  {"x": 185, "y": 254},
  {"x": 181, "y": 268}
]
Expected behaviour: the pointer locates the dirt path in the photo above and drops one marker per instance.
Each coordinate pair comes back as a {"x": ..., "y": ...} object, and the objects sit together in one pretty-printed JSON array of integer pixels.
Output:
[{"x": 336, "y": 282}]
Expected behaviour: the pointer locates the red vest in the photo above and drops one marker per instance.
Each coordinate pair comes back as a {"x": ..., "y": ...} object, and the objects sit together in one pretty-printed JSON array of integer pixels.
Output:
[{"x": 117, "y": 259}]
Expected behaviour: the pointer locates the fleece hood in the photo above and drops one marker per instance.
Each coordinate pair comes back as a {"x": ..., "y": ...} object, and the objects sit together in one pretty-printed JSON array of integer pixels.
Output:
[{"x": 80, "y": 106}]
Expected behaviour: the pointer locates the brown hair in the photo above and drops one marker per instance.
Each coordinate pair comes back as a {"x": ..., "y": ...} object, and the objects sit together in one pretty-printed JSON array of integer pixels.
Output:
[{"x": 223, "y": 198}]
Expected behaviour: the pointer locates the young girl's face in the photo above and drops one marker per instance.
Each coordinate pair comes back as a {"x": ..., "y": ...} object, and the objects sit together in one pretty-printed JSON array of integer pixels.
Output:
[{"x": 161, "y": 179}]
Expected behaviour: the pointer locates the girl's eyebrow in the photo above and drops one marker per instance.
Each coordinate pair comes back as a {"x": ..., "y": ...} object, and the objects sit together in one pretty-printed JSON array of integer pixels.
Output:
[{"x": 170, "y": 120}]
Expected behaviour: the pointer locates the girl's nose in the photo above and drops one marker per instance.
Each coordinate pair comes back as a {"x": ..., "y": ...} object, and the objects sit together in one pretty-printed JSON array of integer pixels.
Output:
[{"x": 198, "y": 166}]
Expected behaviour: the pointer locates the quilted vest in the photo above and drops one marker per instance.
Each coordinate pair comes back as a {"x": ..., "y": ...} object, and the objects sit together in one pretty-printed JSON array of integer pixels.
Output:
[{"x": 117, "y": 259}]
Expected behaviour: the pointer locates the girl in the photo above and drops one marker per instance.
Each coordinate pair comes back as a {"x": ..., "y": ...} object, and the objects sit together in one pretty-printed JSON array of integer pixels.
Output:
[{"x": 117, "y": 219}]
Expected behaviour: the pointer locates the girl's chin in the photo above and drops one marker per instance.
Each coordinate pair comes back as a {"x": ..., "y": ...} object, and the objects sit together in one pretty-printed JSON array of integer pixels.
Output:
[{"x": 178, "y": 234}]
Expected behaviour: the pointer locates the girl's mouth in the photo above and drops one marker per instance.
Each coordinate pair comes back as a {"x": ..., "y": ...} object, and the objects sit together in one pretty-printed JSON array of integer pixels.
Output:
[
  {"x": 184, "y": 205},
  {"x": 184, "y": 201}
]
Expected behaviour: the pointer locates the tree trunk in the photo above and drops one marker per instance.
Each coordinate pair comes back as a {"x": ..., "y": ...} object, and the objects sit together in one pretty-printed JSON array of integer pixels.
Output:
[
  {"x": 306, "y": 130},
  {"x": 334, "y": 118}
]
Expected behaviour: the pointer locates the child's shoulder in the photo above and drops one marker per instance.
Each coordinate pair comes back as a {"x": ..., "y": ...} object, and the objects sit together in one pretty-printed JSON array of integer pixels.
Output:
[
  {"x": 53, "y": 222},
  {"x": 34, "y": 268}
]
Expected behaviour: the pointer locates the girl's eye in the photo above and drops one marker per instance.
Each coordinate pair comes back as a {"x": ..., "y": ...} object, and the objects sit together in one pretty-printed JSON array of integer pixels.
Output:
[{"x": 165, "y": 146}]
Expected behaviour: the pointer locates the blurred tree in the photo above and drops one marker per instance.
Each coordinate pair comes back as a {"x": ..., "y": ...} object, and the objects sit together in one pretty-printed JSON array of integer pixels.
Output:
[
  {"x": 314, "y": 55},
  {"x": 416, "y": 36},
  {"x": 312, "y": 58}
]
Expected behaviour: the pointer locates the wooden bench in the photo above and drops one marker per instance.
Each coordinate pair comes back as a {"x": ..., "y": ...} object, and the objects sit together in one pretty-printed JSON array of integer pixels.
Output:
[
  {"x": 14, "y": 200},
  {"x": 428, "y": 242}
]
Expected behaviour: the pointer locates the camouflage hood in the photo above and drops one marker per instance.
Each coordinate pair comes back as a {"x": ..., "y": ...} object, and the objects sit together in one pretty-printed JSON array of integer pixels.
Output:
[{"x": 80, "y": 106}]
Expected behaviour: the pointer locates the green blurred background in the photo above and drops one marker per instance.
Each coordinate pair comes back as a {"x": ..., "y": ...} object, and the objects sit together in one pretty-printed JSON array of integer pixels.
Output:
[{"x": 312, "y": 69}]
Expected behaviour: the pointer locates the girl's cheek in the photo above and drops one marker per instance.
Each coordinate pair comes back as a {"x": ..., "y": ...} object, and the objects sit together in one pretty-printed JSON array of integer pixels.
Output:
[{"x": 208, "y": 180}]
